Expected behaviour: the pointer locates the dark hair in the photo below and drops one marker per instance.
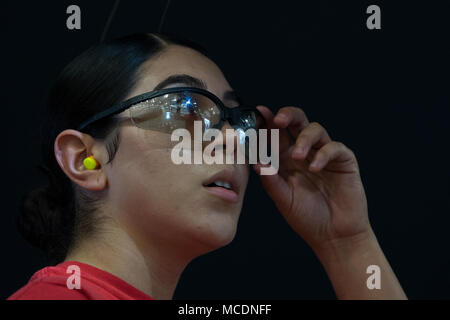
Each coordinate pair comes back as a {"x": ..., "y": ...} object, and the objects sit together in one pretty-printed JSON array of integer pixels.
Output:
[{"x": 52, "y": 217}]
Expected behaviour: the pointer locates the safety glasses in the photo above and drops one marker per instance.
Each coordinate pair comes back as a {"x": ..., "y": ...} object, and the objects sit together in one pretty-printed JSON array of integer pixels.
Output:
[{"x": 168, "y": 109}]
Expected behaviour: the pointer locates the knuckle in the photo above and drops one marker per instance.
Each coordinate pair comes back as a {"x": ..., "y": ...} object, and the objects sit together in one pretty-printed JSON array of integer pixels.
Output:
[
  {"x": 283, "y": 112},
  {"x": 346, "y": 149},
  {"x": 296, "y": 110},
  {"x": 322, "y": 154},
  {"x": 300, "y": 111},
  {"x": 303, "y": 139},
  {"x": 339, "y": 145},
  {"x": 352, "y": 154},
  {"x": 315, "y": 125}
]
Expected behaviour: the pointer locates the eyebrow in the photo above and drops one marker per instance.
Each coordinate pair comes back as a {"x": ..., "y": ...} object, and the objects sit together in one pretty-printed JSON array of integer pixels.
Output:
[{"x": 195, "y": 82}]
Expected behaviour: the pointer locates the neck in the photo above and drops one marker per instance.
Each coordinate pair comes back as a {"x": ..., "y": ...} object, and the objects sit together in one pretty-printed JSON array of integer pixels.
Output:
[{"x": 153, "y": 269}]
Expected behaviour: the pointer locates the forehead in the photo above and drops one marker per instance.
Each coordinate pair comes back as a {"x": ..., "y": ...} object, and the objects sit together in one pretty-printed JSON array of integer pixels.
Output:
[{"x": 181, "y": 60}]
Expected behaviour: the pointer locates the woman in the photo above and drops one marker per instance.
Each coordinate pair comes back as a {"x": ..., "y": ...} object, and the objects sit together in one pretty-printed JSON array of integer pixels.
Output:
[{"x": 127, "y": 227}]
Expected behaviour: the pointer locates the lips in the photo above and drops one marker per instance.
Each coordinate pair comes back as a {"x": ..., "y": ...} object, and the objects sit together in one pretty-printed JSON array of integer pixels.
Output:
[{"x": 224, "y": 184}]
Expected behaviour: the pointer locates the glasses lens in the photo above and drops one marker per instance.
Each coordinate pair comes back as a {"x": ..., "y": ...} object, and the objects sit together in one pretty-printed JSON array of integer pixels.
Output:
[
  {"x": 176, "y": 110},
  {"x": 250, "y": 119}
]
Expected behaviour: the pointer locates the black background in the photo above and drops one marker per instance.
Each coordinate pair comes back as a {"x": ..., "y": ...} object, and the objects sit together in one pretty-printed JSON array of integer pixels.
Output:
[{"x": 384, "y": 93}]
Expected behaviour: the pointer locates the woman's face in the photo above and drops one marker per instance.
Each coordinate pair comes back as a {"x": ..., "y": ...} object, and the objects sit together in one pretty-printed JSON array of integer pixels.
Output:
[{"x": 157, "y": 201}]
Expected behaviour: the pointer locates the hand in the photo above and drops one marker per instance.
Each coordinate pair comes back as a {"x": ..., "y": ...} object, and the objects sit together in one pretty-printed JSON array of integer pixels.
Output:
[{"x": 318, "y": 187}]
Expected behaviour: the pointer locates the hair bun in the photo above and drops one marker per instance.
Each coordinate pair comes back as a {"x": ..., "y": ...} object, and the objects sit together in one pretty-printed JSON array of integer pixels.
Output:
[{"x": 40, "y": 220}]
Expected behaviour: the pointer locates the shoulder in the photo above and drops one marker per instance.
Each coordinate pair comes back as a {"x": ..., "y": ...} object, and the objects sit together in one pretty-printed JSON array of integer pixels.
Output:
[
  {"x": 60, "y": 283},
  {"x": 42, "y": 290},
  {"x": 49, "y": 283}
]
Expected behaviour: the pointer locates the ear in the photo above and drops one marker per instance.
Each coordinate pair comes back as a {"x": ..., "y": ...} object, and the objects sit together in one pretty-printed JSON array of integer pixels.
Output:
[{"x": 71, "y": 148}]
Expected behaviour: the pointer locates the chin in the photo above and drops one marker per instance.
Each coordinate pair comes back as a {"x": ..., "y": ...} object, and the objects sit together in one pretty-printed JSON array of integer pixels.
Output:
[{"x": 216, "y": 234}]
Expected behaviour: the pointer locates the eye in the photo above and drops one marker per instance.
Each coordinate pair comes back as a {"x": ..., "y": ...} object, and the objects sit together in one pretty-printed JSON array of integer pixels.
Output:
[{"x": 188, "y": 103}]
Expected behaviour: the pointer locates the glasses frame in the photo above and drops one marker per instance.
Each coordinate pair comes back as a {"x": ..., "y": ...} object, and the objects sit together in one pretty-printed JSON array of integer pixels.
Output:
[{"x": 231, "y": 114}]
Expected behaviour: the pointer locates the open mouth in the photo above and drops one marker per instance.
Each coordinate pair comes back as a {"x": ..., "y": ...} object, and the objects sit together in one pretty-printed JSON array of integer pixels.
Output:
[
  {"x": 224, "y": 184},
  {"x": 222, "y": 192},
  {"x": 220, "y": 184}
]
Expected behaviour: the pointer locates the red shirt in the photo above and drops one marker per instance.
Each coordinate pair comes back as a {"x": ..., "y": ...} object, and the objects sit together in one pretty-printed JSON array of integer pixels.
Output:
[{"x": 53, "y": 283}]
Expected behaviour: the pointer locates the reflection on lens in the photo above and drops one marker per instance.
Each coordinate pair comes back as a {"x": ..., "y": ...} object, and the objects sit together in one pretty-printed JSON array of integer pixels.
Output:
[
  {"x": 176, "y": 110},
  {"x": 249, "y": 119}
]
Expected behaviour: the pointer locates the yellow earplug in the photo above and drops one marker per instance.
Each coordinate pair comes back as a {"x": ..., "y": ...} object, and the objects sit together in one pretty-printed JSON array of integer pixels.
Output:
[{"x": 90, "y": 163}]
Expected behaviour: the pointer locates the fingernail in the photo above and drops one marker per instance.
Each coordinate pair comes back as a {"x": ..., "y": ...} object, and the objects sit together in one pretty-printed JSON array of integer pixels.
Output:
[
  {"x": 282, "y": 117},
  {"x": 314, "y": 164},
  {"x": 298, "y": 151}
]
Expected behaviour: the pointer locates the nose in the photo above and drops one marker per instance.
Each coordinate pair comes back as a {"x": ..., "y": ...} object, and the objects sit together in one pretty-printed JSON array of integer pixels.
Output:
[
  {"x": 231, "y": 145},
  {"x": 231, "y": 141},
  {"x": 227, "y": 143}
]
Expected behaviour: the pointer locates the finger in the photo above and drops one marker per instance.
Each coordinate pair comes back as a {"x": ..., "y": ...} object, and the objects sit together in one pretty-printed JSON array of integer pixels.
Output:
[
  {"x": 284, "y": 138},
  {"x": 313, "y": 136},
  {"x": 293, "y": 118},
  {"x": 268, "y": 116},
  {"x": 333, "y": 151}
]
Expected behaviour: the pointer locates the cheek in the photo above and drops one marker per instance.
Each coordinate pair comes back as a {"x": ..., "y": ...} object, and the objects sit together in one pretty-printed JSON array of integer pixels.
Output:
[
  {"x": 155, "y": 198},
  {"x": 147, "y": 188},
  {"x": 152, "y": 180}
]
